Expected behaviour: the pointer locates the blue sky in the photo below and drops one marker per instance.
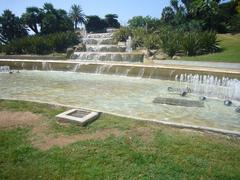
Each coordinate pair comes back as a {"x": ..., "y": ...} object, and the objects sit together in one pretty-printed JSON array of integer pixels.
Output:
[{"x": 124, "y": 8}]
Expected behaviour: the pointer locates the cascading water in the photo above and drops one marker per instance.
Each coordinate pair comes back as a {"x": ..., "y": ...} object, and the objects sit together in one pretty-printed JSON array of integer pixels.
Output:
[
  {"x": 211, "y": 86},
  {"x": 47, "y": 66},
  {"x": 101, "y": 47},
  {"x": 4, "y": 69},
  {"x": 76, "y": 68},
  {"x": 141, "y": 72}
]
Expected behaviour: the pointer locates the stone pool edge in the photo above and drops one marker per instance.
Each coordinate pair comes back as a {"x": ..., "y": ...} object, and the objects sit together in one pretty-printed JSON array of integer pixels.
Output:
[{"x": 165, "y": 123}]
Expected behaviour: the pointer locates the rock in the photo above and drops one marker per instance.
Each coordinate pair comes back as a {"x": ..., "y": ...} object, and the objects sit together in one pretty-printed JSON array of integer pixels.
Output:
[
  {"x": 153, "y": 51},
  {"x": 121, "y": 44},
  {"x": 237, "y": 109},
  {"x": 69, "y": 52},
  {"x": 80, "y": 48},
  {"x": 178, "y": 102},
  {"x": 227, "y": 103},
  {"x": 74, "y": 56},
  {"x": 176, "y": 57},
  {"x": 183, "y": 93},
  {"x": 202, "y": 98},
  {"x": 170, "y": 89},
  {"x": 160, "y": 56}
]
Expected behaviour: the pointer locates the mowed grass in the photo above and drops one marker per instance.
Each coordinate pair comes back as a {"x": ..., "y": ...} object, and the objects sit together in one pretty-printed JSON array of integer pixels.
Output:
[
  {"x": 230, "y": 52},
  {"x": 159, "y": 152}
]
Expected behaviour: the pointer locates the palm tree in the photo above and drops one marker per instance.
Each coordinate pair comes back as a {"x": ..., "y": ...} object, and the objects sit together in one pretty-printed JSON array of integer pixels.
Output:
[{"x": 77, "y": 15}]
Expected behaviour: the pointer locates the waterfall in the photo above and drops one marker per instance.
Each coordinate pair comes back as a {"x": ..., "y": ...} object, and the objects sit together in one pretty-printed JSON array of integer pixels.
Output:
[
  {"x": 46, "y": 66},
  {"x": 141, "y": 73},
  {"x": 76, "y": 68},
  {"x": 102, "y": 68},
  {"x": 211, "y": 86},
  {"x": 4, "y": 69}
]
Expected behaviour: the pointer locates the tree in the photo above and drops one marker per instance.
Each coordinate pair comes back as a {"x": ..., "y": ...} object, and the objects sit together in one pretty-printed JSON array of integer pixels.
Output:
[
  {"x": 111, "y": 20},
  {"x": 137, "y": 22},
  {"x": 32, "y": 18},
  {"x": 95, "y": 24},
  {"x": 47, "y": 20},
  {"x": 11, "y": 27},
  {"x": 54, "y": 20},
  {"x": 77, "y": 15},
  {"x": 168, "y": 15}
]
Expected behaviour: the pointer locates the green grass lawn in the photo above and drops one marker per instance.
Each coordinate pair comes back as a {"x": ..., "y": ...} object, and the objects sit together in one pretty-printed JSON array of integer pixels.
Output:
[
  {"x": 140, "y": 150},
  {"x": 230, "y": 45}
]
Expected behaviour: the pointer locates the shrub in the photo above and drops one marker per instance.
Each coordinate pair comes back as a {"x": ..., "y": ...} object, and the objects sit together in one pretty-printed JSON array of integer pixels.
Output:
[
  {"x": 152, "y": 41},
  {"x": 190, "y": 43},
  {"x": 122, "y": 34},
  {"x": 139, "y": 34},
  {"x": 208, "y": 42},
  {"x": 171, "y": 42},
  {"x": 45, "y": 44},
  {"x": 235, "y": 23}
]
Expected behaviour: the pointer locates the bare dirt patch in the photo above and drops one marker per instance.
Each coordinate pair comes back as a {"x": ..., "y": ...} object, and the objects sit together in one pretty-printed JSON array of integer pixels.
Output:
[
  {"x": 14, "y": 119},
  {"x": 48, "y": 141},
  {"x": 43, "y": 138}
]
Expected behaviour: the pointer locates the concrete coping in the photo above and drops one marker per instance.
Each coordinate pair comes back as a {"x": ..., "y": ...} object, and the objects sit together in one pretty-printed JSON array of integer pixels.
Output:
[
  {"x": 172, "y": 67},
  {"x": 166, "y": 123}
]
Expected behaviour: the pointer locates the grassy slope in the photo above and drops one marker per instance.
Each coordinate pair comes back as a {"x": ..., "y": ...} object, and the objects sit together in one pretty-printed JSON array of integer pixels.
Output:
[
  {"x": 172, "y": 154},
  {"x": 229, "y": 53}
]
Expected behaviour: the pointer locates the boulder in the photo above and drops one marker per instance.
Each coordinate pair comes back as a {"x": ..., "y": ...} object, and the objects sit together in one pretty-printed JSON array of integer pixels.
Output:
[
  {"x": 80, "y": 47},
  {"x": 176, "y": 57},
  {"x": 69, "y": 52}
]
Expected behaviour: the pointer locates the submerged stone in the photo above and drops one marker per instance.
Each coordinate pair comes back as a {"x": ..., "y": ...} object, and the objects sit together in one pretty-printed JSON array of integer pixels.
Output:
[
  {"x": 178, "y": 102},
  {"x": 227, "y": 103},
  {"x": 237, "y": 109},
  {"x": 184, "y": 93},
  {"x": 202, "y": 98}
]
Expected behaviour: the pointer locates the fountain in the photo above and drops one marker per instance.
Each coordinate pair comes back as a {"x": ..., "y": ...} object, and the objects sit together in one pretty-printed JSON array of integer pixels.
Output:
[
  {"x": 4, "y": 69},
  {"x": 101, "y": 47},
  {"x": 128, "y": 96},
  {"x": 211, "y": 86}
]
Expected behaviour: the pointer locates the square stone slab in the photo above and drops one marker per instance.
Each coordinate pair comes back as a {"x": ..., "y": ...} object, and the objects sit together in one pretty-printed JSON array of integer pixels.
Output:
[{"x": 78, "y": 116}]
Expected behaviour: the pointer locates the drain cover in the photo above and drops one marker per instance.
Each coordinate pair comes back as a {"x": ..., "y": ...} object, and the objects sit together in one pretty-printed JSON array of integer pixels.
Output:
[{"x": 78, "y": 116}]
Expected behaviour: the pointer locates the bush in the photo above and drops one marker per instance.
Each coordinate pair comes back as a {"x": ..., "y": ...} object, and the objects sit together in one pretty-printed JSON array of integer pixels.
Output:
[
  {"x": 139, "y": 34},
  {"x": 45, "y": 44},
  {"x": 235, "y": 23},
  {"x": 122, "y": 34},
  {"x": 171, "y": 42},
  {"x": 191, "y": 43},
  {"x": 152, "y": 41}
]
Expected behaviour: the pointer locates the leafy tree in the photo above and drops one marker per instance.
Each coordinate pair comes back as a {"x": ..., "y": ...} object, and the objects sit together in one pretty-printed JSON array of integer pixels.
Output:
[
  {"x": 47, "y": 20},
  {"x": 111, "y": 20},
  {"x": 137, "y": 22},
  {"x": 148, "y": 23},
  {"x": 11, "y": 27},
  {"x": 168, "y": 15},
  {"x": 32, "y": 18},
  {"x": 55, "y": 20},
  {"x": 77, "y": 15},
  {"x": 95, "y": 24}
]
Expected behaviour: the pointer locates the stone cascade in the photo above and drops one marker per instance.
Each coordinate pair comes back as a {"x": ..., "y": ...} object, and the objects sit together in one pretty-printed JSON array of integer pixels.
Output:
[
  {"x": 101, "y": 47},
  {"x": 4, "y": 69}
]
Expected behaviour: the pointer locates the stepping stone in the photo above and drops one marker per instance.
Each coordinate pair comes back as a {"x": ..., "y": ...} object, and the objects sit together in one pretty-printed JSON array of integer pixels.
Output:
[{"x": 178, "y": 102}]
